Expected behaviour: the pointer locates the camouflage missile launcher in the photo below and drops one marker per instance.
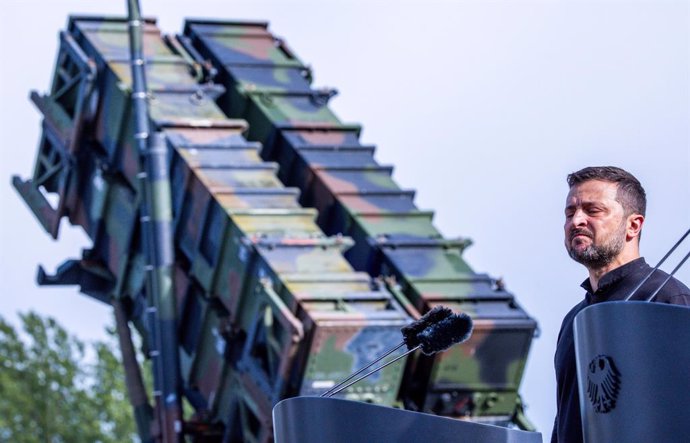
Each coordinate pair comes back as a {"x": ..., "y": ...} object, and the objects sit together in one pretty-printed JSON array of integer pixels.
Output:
[
  {"x": 268, "y": 85},
  {"x": 267, "y": 306},
  {"x": 297, "y": 257}
]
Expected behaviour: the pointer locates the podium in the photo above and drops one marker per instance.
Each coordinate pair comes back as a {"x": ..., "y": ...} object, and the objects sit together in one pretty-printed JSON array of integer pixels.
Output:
[
  {"x": 633, "y": 370},
  {"x": 332, "y": 420}
]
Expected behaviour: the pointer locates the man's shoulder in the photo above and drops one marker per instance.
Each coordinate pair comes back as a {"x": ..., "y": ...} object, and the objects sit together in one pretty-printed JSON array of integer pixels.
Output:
[
  {"x": 574, "y": 311},
  {"x": 673, "y": 291}
]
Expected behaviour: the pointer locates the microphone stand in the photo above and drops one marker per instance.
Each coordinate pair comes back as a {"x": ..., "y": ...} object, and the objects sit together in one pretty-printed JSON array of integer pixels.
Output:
[
  {"x": 651, "y": 297},
  {"x": 329, "y": 392},
  {"x": 663, "y": 259},
  {"x": 341, "y": 388}
]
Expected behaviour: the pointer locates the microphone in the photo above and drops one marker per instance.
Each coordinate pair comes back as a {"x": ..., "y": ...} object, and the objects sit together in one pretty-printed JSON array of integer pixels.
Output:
[
  {"x": 435, "y": 315},
  {"x": 409, "y": 332},
  {"x": 454, "y": 329}
]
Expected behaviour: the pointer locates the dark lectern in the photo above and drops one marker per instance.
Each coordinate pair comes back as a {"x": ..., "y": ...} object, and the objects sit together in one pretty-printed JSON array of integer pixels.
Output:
[
  {"x": 331, "y": 420},
  {"x": 633, "y": 369}
]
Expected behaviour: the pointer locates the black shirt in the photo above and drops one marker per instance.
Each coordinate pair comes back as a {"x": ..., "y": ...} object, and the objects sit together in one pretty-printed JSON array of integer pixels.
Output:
[{"x": 615, "y": 285}]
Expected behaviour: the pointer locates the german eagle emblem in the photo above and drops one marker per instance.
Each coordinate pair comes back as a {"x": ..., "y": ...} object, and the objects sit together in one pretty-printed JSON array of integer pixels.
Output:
[{"x": 603, "y": 383}]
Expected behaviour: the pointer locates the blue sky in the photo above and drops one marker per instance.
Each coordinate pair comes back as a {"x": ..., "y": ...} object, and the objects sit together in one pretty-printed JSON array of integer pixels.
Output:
[{"x": 482, "y": 107}]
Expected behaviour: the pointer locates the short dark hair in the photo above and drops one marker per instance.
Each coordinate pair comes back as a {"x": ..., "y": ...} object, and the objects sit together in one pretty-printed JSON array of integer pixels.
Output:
[{"x": 630, "y": 193}]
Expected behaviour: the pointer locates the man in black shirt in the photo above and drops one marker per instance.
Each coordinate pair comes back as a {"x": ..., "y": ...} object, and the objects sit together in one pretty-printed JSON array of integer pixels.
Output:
[{"x": 604, "y": 214}]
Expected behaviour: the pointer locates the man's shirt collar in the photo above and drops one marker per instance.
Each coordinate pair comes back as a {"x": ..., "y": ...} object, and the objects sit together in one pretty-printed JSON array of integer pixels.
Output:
[{"x": 611, "y": 278}]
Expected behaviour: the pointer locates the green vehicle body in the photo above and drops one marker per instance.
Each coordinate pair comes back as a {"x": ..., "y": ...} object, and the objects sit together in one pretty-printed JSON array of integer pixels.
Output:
[{"x": 297, "y": 258}]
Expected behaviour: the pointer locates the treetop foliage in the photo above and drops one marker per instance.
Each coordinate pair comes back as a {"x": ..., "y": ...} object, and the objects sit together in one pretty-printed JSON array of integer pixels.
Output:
[{"x": 53, "y": 390}]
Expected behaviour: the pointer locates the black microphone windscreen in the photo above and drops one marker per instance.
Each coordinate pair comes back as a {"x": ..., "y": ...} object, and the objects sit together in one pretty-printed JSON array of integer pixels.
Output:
[
  {"x": 453, "y": 329},
  {"x": 410, "y": 332}
]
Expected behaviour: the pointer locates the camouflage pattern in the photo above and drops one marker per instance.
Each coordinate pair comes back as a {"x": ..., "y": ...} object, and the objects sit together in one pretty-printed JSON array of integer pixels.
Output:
[
  {"x": 259, "y": 303},
  {"x": 268, "y": 86}
]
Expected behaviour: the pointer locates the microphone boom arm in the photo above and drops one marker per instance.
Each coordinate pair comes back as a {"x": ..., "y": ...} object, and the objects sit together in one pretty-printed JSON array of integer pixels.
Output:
[
  {"x": 663, "y": 259},
  {"x": 341, "y": 388}
]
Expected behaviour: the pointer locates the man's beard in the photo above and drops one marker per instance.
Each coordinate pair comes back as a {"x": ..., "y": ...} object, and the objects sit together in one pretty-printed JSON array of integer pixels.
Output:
[{"x": 598, "y": 256}]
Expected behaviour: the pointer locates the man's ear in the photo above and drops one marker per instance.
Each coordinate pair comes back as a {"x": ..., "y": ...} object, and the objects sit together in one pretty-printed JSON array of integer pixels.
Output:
[{"x": 634, "y": 226}]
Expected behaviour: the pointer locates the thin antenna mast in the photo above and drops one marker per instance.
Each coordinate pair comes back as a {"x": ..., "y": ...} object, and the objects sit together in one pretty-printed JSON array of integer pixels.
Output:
[{"x": 156, "y": 229}]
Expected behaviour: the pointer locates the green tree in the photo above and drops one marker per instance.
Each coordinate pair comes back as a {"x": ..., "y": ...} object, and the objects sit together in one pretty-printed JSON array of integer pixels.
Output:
[{"x": 51, "y": 392}]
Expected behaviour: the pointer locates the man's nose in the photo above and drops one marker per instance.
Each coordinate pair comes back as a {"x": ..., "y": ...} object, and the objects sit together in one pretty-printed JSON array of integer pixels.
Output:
[{"x": 579, "y": 218}]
